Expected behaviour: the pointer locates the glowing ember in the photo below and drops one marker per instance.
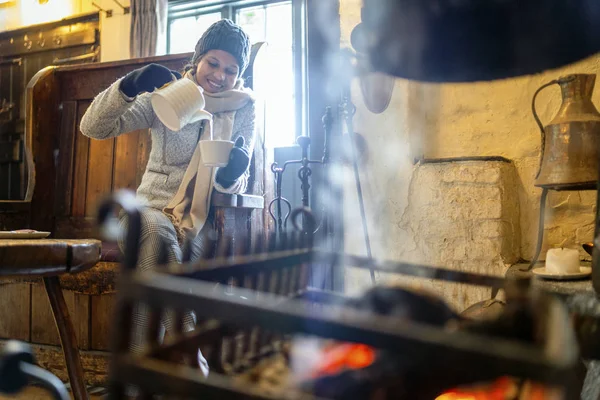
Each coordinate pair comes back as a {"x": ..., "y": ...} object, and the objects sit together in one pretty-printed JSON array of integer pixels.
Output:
[
  {"x": 501, "y": 389},
  {"x": 345, "y": 356}
]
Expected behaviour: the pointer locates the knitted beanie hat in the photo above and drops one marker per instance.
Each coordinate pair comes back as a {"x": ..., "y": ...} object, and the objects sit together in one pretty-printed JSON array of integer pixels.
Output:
[{"x": 227, "y": 36}]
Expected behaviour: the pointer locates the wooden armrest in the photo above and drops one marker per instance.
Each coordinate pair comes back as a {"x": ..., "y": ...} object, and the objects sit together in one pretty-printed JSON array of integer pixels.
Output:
[
  {"x": 237, "y": 200},
  {"x": 250, "y": 201},
  {"x": 219, "y": 199}
]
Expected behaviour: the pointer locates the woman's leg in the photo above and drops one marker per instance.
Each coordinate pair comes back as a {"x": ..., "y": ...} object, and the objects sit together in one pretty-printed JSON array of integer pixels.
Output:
[{"x": 156, "y": 227}]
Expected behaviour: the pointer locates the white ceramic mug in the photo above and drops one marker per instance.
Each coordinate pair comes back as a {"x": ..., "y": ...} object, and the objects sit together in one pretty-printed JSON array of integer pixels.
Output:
[
  {"x": 215, "y": 153},
  {"x": 179, "y": 103}
]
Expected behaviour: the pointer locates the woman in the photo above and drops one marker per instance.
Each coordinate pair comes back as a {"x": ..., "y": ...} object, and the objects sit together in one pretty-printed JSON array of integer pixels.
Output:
[{"x": 220, "y": 57}]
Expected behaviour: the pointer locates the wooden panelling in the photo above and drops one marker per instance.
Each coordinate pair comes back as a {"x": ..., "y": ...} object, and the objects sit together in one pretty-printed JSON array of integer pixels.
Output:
[
  {"x": 102, "y": 320},
  {"x": 12, "y": 173},
  {"x": 66, "y": 142},
  {"x": 43, "y": 112},
  {"x": 11, "y": 85},
  {"x": 10, "y": 151},
  {"x": 100, "y": 172},
  {"x": 43, "y": 329},
  {"x": 79, "y": 86},
  {"x": 15, "y": 299},
  {"x": 81, "y": 156},
  {"x": 13, "y": 220},
  {"x": 75, "y": 227},
  {"x": 126, "y": 161},
  {"x": 143, "y": 153}
]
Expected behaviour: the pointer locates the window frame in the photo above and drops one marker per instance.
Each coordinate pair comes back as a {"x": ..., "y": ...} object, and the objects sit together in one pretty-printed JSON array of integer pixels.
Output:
[{"x": 178, "y": 9}]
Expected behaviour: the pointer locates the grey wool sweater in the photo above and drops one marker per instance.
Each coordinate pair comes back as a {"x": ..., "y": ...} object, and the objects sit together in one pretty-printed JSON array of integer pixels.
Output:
[{"x": 112, "y": 114}]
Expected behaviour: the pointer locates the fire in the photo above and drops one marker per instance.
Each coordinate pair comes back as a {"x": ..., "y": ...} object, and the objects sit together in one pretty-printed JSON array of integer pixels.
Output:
[
  {"x": 339, "y": 356},
  {"x": 501, "y": 389},
  {"x": 345, "y": 356}
]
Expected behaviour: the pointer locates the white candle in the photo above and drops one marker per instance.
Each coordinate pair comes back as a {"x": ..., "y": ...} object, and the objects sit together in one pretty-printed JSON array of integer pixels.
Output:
[{"x": 562, "y": 261}]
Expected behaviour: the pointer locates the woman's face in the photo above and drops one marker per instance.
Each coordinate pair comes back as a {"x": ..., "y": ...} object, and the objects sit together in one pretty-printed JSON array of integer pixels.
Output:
[{"x": 217, "y": 71}]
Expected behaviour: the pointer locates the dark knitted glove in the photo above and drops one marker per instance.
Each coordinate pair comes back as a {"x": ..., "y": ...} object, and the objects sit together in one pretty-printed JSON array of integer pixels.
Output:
[
  {"x": 239, "y": 159},
  {"x": 146, "y": 79}
]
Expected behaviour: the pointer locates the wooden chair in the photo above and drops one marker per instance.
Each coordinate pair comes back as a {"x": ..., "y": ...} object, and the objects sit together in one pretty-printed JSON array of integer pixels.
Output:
[{"x": 69, "y": 175}]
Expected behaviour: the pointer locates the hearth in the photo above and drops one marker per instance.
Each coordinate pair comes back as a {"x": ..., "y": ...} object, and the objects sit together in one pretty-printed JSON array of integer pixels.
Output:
[{"x": 254, "y": 305}]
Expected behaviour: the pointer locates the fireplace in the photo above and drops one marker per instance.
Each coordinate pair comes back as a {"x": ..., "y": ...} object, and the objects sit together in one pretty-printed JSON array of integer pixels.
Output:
[
  {"x": 243, "y": 328},
  {"x": 259, "y": 305}
]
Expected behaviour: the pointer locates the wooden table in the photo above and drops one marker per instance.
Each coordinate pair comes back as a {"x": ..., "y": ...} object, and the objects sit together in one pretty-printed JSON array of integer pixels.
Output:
[{"x": 47, "y": 259}]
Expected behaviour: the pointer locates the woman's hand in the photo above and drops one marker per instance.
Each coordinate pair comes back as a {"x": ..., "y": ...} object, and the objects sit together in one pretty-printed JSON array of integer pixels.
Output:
[
  {"x": 146, "y": 79},
  {"x": 239, "y": 159}
]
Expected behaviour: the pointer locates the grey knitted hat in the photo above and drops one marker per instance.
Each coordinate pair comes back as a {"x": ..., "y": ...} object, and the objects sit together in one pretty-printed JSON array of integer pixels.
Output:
[{"x": 227, "y": 36}]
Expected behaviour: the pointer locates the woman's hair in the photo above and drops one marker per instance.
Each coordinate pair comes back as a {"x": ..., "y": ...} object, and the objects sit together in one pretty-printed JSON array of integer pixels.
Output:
[
  {"x": 190, "y": 66},
  {"x": 223, "y": 35}
]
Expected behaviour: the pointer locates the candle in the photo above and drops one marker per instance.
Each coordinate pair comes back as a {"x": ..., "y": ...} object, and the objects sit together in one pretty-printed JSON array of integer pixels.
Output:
[{"x": 562, "y": 261}]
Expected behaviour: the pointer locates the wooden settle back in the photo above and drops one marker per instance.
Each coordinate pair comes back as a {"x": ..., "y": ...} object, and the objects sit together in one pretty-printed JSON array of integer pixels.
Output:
[{"x": 74, "y": 173}]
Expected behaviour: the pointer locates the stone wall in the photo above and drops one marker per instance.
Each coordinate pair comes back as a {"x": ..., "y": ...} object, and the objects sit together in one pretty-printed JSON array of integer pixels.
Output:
[
  {"x": 465, "y": 211},
  {"x": 435, "y": 121},
  {"x": 465, "y": 216}
]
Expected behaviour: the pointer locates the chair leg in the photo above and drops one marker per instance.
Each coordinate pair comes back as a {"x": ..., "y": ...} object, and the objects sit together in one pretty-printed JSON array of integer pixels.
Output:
[{"x": 68, "y": 339}]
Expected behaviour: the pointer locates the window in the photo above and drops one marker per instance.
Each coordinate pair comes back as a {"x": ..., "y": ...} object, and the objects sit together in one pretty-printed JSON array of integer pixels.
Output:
[
  {"x": 184, "y": 32},
  {"x": 264, "y": 21}
]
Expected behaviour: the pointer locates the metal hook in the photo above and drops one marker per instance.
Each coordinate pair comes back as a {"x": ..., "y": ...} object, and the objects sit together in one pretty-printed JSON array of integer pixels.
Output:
[
  {"x": 126, "y": 10},
  {"x": 310, "y": 222},
  {"x": 281, "y": 224},
  {"x": 109, "y": 13}
]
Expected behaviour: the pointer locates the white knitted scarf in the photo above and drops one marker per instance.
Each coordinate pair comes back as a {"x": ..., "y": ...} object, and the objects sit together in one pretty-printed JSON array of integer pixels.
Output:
[{"x": 188, "y": 209}]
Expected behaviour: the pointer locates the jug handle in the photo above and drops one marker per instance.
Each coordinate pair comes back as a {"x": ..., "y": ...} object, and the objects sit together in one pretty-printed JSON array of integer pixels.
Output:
[
  {"x": 535, "y": 115},
  {"x": 564, "y": 79},
  {"x": 539, "y": 122}
]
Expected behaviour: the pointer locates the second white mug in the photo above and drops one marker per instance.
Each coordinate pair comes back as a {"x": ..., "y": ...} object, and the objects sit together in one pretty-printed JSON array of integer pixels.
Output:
[{"x": 215, "y": 153}]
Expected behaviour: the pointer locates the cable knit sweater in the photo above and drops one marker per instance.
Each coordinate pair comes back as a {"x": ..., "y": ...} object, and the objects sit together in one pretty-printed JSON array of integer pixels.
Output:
[{"x": 112, "y": 114}]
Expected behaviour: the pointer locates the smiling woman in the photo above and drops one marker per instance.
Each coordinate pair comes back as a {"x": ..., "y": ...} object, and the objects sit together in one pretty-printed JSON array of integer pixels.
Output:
[{"x": 177, "y": 185}]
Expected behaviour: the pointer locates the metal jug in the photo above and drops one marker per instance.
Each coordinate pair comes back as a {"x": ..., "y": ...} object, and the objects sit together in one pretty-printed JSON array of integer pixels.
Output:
[{"x": 569, "y": 151}]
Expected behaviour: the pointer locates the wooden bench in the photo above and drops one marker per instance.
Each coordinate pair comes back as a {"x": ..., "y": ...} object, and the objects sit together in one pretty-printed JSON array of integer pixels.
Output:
[{"x": 71, "y": 174}]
